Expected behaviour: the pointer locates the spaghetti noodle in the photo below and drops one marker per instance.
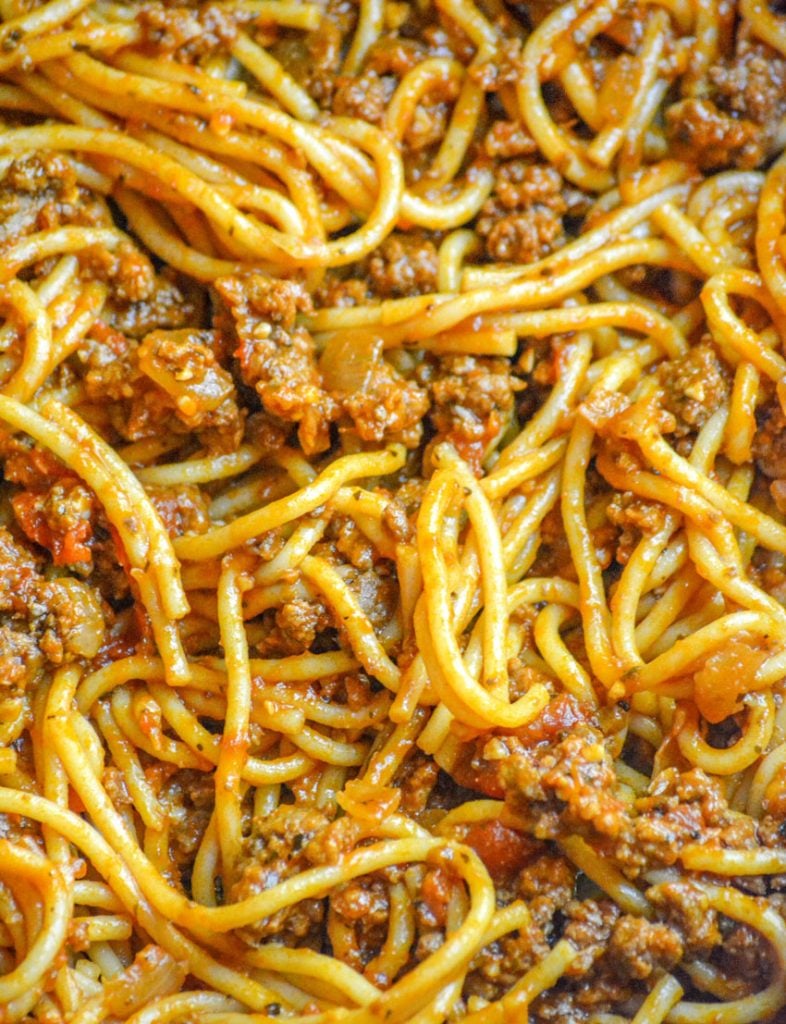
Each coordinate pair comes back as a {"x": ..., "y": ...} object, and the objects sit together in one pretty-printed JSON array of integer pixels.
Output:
[{"x": 393, "y": 511}]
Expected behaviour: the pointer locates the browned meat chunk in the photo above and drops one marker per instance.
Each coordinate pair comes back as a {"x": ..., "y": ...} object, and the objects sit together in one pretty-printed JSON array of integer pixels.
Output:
[
  {"x": 40, "y": 192},
  {"x": 277, "y": 358},
  {"x": 696, "y": 385},
  {"x": 190, "y": 383},
  {"x": 21, "y": 660},
  {"x": 713, "y": 137},
  {"x": 42, "y": 620},
  {"x": 298, "y": 624},
  {"x": 365, "y": 96},
  {"x": 522, "y": 221},
  {"x": 769, "y": 442},
  {"x": 182, "y": 509},
  {"x": 736, "y": 124},
  {"x": 472, "y": 399},
  {"x": 685, "y": 908},
  {"x": 682, "y": 808},
  {"x": 188, "y": 797},
  {"x": 362, "y": 908},
  {"x": 126, "y": 268},
  {"x": 638, "y": 948},
  {"x": 403, "y": 265},
  {"x": 276, "y": 850},
  {"x": 388, "y": 407},
  {"x": 190, "y": 32},
  {"x": 172, "y": 302},
  {"x": 568, "y": 786},
  {"x": 507, "y": 139}
]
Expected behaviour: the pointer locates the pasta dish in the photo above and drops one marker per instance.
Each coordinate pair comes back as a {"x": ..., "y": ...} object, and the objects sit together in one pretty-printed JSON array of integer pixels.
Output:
[{"x": 392, "y": 511}]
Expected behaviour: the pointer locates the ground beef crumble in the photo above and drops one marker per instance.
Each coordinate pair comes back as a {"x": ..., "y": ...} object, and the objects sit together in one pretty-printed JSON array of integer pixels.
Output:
[
  {"x": 43, "y": 621},
  {"x": 522, "y": 221},
  {"x": 276, "y": 850},
  {"x": 695, "y": 386},
  {"x": 472, "y": 400},
  {"x": 736, "y": 122}
]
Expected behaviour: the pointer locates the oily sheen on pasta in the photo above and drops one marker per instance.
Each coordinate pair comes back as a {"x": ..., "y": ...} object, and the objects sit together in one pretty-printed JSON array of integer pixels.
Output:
[{"x": 392, "y": 512}]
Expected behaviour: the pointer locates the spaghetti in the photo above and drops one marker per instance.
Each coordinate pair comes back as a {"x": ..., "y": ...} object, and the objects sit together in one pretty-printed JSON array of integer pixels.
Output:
[{"x": 393, "y": 511}]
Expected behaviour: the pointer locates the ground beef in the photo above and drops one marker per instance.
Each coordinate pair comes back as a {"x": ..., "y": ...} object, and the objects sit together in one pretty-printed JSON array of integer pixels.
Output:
[
  {"x": 40, "y": 192},
  {"x": 265, "y": 433},
  {"x": 46, "y": 619},
  {"x": 546, "y": 885},
  {"x": 188, "y": 798},
  {"x": 736, "y": 123},
  {"x": 638, "y": 948},
  {"x": 105, "y": 361},
  {"x": 403, "y": 265},
  {"x": 769, "y": 441},
  {"x": 279, "y": 360},
  {"x": 684, "y": 907},
  {"x": 590, "y": 983},
  {"x": 712, "y": 137},
  {"x": 188, "y": 32},
  {"x": 276, "y": 850},
  {"x": 49, "y": 510},
  {"x": 589, "y": 928},
  {"x": 636, "y": 518},
  {"x": 339, "y": 290},
  {"x": 173, "y": 378},
  {"x": 472, "y": 399},
  {"x": 388, "y": 407},
  {"x": 751, "y": 84},
  {"x": 508, "y": 139},
  {"x": 182, "y": 509},
  {"x": 480, "y": 764},
  {"x": 415, "y": 780},
  {"x": 191, "y": 388},
  {"x": 362, "y": 906},
  {"x": 314, "y": 60},
  {"x": 522, "y": 221},
  {"x": 21, "y": 660},
  {"x": 352, "y": 543},
  {"x": 294, "y": 627},
  {"x": 506, "y": 66},
  {"x": 696, "y": 385},
  {"x": 745, "y": 957},
  {"x": 682, "y": 808},
  {"x": 498, "y": 966},
  {"x": 616, "y": 953},
  {"x": 366, "y": 96},
  {"x": 126, "y": 269},
  {"x": 171, "y": 303},
  {"x": 553, "y": 557},
  {"x": 567, "y": 786},
  {"x": 59, "y": 518},
  {"x": 599, "y": 991},
  {"x": 275, "y": 357},
  {"x": 298, "y": 623}
]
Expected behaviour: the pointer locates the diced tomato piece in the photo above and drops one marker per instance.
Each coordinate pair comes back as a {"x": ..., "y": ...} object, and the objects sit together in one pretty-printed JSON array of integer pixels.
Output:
[
  {"x": 66, "y": 548},
  {"x": 31, "y": 519},
  {"x": 503, "y": 850}
]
